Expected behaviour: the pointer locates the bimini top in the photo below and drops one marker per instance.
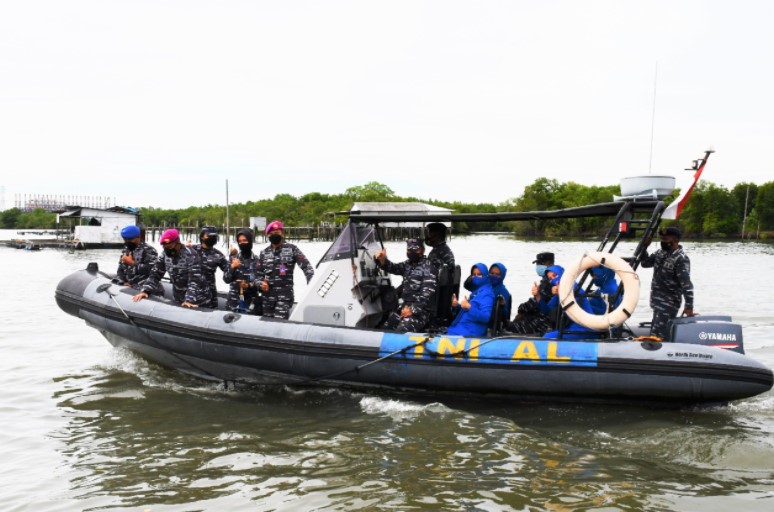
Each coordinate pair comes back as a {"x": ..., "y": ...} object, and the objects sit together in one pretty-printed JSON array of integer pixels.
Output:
[{"x": 595, "y": 210}]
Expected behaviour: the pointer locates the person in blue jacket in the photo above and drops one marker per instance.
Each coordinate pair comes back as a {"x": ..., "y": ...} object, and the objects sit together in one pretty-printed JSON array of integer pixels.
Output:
[
  {"x": 604, "y": 282},
  {"x": 497, "y": 273},
  {"x": 473, "y": 312},
  {"x": 573, "y": 331}
]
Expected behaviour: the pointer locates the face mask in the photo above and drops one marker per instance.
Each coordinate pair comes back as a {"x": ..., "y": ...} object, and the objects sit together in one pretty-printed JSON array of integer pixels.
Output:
[
  {"x": 171, "y": 252},
  {"x": 540, "y": 269},
  {"x": 275, "y": 239},
  {"x": 495, "y": 280},
  {"x": 479, "y": 281},
  {"x": 429, "y": 242},
  {"x": 666, "y": 246},
  {"x": 246, "y": 248},
  {"x": 130, "y": 245},
  {"x": 413, "y": 257},
  {"x": 210, "y": 241}
]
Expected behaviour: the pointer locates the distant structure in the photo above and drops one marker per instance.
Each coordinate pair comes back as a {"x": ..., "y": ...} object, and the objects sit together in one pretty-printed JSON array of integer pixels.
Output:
[
  {"x": 60, "y": 203},
  {"x": 96, "y": 227}
]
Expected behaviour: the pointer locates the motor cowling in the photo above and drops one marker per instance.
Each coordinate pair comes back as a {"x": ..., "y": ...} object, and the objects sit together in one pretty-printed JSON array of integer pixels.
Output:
[{"x": 714, "y": 331}]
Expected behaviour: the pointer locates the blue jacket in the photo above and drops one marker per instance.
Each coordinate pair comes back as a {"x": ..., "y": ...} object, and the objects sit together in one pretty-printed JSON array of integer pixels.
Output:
[
  {"x": 474, "y": 321},
  {"x": 498, "y": 288}
]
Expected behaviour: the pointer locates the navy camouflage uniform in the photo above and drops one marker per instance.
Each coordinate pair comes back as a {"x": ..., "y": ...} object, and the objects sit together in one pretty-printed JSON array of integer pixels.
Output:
[
  {"x": 529, "y": 319},
  {"x": 276, "y": 266},
  {"x": 202, "y": 289},
  {"x": 419, "y": 289},
  {"x": 178, "y": 269},
  {"x": 246, "y": 271},
  {"x": 441, "y": 255},
  {"x": 671, "y": 283},
  {"x": 144, "y": 257}
]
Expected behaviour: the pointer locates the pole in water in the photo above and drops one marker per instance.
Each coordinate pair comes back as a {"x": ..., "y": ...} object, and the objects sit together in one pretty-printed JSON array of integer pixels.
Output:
[{"x": 228, "y": 234}]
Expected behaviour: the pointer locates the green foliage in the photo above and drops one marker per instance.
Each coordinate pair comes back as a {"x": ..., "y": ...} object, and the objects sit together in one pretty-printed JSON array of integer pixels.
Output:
[
  {"x": 713, "y": 211},
  {"x": 764, "y": 206},
  {"x": 9, "y": 218},
  {"x": 37, "y": 219}
]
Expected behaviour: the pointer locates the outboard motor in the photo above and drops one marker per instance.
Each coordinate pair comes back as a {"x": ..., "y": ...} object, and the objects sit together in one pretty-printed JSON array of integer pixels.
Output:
[{"x": 713, "y": 331}]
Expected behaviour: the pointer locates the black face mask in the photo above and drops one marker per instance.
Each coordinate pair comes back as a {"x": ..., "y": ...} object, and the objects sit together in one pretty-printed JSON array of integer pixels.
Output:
[
  {"x": 667, "y": 246},
  {"x": 246, "y": 248},
  {"x": 275, "y": 239},
  {"x": 171, "y": 252},
  {"x": 130, "y": 245},
  {"x": 210, "y": 241},
  {"x": 413, "y": 257},
  {"x": 429, "y": 241}
]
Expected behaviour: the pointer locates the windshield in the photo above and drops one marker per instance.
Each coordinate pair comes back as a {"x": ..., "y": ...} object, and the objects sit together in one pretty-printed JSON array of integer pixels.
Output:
[{"x": 352, "y": 238}]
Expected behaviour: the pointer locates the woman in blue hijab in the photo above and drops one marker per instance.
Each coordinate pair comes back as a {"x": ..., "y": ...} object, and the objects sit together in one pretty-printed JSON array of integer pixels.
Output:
[
  {"x": 497, "y": 273},
  {"x": 473, "y": 313}
]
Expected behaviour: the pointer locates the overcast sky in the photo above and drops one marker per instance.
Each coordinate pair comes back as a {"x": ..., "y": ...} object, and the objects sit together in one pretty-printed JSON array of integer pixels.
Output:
[{"x": 159, "y": 102}]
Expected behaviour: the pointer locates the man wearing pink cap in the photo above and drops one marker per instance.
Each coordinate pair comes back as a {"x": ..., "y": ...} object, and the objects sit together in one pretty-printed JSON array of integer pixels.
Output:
[
  {"x": 274, "y": 274},
  {"x": 176, "y": 260}
]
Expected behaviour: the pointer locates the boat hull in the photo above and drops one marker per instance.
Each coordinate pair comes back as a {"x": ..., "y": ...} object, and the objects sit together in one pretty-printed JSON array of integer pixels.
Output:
[{"x": 220, "y": 345}]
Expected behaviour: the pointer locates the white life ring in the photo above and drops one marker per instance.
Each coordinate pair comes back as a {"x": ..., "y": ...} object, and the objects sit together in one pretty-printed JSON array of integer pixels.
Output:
[{"x": 629, "y": 279}]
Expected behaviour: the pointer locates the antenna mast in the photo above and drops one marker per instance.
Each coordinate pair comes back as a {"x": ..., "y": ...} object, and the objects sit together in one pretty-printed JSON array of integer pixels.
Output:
[{"x": 653, "y": 119}]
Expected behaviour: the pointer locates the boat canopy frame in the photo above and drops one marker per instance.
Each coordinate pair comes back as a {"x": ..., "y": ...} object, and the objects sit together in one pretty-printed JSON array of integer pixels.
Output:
[{"x": 630, "y": 215}]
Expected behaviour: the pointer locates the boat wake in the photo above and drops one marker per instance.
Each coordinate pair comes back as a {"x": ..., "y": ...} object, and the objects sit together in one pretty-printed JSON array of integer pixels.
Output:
[{"x": 400, "y": 410}]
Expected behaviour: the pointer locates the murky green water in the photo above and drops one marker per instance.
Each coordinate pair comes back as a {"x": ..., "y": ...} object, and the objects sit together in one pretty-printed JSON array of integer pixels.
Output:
[{"x": 84, "y": 426}]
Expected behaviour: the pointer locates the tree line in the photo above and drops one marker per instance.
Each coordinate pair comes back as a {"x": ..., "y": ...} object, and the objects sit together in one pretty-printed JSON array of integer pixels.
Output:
[{"x": 712, "y": 212}]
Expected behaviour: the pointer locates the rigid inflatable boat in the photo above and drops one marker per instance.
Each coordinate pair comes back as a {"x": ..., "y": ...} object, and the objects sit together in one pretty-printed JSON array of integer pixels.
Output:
[{"x": 332, "y": 337}]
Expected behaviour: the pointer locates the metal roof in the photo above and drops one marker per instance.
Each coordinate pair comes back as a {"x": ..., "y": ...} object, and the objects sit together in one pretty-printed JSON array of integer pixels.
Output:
[{"x": 595, "y": 210}]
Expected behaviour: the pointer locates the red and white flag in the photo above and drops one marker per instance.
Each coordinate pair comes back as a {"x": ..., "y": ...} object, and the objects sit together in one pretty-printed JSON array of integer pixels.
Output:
[{"x": 676, "y": 207}]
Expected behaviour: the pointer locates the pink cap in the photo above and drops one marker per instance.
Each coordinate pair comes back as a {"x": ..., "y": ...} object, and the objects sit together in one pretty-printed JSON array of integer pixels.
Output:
[
  {"x": 273, "y": 225},
  {"x": 170, "y": 235}
]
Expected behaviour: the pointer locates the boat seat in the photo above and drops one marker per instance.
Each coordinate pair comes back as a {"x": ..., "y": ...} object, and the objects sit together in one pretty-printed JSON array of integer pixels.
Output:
[
  {"x": 497, "y": 319},
  {"x": 448, "y": 285}
]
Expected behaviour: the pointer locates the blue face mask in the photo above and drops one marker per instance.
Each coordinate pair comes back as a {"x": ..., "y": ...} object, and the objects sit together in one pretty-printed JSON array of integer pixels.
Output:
[
  {"x": 495, "y": 280},
  {"x": 540, "y": 269},
  {"x": 478, "y": 281}
]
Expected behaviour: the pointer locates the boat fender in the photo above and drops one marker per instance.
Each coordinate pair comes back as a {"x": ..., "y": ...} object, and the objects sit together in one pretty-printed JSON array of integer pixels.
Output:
[{"x": 629, "y": 279}]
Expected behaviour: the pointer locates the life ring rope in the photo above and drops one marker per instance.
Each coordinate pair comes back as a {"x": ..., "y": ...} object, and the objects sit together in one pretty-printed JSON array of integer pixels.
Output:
[{"x": 609, "y": 319}]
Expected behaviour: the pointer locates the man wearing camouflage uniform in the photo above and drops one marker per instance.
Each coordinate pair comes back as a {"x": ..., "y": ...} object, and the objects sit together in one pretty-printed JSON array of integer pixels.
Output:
[
  {"x": 274, "y": 272},
  {"x": 671, "y": 282},
  {"x": 419, "y": 288},
  {"x": 241, "y": 273},
  {"x": 137, "y": 260},
  {"x": 207, "y": 259},
  {"x": 441, "y": 254},
  {"x": 176, "y": 261},
  {"x": 529, "y": 319}
]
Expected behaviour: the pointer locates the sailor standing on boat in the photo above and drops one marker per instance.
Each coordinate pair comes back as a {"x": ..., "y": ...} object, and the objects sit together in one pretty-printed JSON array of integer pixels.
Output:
[
  {"x": 671, "y": 282},
  {"x": 207, "y": 259},
  {"x": 176, "y": 261},
  {"x": 241, "y": 272},
  {"x": 274, "y": 273},
  {"x": 136, "y": 260},
  {"x": 419, "y": 288},
  {"x": 441, "y": 254}
]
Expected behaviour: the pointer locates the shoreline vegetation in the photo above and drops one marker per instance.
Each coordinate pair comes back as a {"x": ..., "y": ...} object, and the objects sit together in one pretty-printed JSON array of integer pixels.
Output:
[{"x": 713, "y": 212}]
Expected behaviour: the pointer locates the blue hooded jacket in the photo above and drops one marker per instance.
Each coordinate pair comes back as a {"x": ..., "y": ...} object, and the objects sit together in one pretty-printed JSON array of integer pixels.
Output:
[
  {"x": 573, "y": 331},
  {"x": 498, "y": 288},
  {"x": 604, "y": 279},
  {"x": 474, "y": 321}
]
